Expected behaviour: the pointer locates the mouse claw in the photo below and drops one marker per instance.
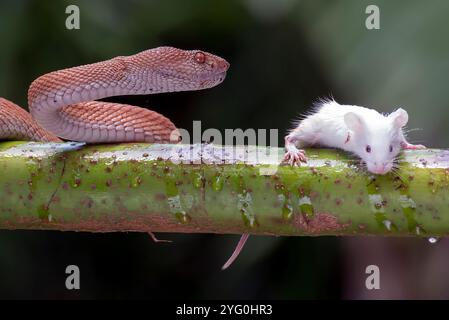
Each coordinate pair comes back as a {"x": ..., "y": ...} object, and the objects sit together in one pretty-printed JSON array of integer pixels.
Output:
[
  {"x": 409, "y": 146},
  {"x": 294, "y": 158}
]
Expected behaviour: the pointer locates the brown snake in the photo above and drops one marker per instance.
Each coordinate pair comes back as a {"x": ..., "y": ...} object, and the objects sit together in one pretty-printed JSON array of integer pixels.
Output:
[{"x": 62, "y": 103}]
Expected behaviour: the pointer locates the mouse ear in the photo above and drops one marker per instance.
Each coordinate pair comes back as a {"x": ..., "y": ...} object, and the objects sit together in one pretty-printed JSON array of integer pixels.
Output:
[
  {"x": 399, "y": 118},
  {"x": 353, "y": 121}
]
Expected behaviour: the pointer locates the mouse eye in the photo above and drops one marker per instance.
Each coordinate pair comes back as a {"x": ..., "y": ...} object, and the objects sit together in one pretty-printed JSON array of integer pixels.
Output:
[
  {"x": 391, "y": 148},
  {"x": 200, "y": 57},
  {"x": 368, "y": 149}
]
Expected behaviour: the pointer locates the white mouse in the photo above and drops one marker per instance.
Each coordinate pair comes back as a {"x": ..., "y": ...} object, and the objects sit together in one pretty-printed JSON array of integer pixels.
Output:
[{"x": 375, "y": 138}]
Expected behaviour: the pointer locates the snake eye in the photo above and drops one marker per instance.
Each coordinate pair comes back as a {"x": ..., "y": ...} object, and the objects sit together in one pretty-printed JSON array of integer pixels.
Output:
[
  {"x": 391, "y": 148},
  {"x": 200, "y": 57},
  {"x": 368, "y": 149}
]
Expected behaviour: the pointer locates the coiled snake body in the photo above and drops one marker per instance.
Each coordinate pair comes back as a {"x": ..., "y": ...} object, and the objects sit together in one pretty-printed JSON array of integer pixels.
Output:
[{"x": 62, "y": 103}]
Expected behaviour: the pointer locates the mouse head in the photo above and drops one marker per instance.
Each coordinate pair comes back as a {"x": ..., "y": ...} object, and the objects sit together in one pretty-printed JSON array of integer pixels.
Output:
[{"x": 376, "y": 138}]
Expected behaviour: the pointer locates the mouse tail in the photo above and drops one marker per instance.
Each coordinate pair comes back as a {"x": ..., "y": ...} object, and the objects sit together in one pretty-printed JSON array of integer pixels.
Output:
[{"x": 237, "y": 251}]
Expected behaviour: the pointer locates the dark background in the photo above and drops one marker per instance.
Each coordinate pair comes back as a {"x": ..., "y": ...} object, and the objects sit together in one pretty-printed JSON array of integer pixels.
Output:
[{"x": 284, "y": 55}]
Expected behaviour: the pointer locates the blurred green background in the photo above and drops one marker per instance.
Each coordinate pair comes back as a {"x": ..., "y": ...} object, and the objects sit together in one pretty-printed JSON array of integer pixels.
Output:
[{"x": 284, "y": 55}]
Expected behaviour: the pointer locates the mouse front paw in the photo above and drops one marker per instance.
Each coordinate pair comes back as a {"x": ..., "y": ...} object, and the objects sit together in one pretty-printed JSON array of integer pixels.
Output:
[
  {"x": 409, "y": 146},
  {"x": 294, "y": 158}
]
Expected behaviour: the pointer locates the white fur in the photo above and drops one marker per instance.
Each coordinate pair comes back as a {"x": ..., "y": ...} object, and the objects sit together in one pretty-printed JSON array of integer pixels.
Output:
[{"x": 353, "y": 128}]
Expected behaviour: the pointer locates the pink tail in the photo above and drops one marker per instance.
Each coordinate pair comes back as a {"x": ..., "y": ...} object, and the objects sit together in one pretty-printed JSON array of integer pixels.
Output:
[{"x": 237, "y": 250}]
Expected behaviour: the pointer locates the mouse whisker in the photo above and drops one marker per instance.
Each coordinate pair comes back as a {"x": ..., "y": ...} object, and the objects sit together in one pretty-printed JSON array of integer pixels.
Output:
[
  {"x": 415, "y": 140},
  {"x": 396, "y": 171},
  {"x": 411, "y": 130},
  {"x": 396, "y": 174}
]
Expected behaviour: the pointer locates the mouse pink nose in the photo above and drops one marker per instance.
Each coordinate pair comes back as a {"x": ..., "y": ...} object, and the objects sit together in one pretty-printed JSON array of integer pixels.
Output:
[{"x": 380, "y": 168}]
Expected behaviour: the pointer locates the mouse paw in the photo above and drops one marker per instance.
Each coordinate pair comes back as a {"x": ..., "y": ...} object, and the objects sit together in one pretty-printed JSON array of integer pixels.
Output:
[
  {"x": 409, "y": 146},
  {"x": 294, "y": 158}
]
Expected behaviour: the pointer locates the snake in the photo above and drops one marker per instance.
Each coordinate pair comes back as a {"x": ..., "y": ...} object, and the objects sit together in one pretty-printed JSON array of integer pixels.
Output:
[{"x": 64, "y": 104}]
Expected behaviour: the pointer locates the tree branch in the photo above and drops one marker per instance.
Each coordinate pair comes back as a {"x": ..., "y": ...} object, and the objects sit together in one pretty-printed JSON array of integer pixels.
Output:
[{"x": 214, "y": 189}]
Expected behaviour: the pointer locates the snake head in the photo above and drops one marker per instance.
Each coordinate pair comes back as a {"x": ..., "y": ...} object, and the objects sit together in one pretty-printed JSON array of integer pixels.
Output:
[{"x": 173, "y": 69}]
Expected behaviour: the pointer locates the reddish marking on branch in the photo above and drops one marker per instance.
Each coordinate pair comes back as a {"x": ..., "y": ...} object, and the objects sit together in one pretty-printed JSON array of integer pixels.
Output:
[{"x": 319, "y": 223}]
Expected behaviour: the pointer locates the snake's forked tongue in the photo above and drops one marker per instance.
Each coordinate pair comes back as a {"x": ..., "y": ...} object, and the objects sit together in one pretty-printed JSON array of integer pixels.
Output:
[{"x": 236, "y": 252}]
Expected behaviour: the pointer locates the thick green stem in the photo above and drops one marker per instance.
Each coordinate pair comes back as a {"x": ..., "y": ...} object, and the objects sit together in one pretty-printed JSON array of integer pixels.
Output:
[{"x": 194, "y": 188}]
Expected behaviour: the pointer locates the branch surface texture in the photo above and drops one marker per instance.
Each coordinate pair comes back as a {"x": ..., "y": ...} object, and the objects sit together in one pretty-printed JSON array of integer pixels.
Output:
[{"x": 215, "y": 189}]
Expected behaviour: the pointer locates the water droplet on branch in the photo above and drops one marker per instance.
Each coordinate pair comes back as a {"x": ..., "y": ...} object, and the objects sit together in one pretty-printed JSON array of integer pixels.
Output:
[{"x": 433, "y": 240}]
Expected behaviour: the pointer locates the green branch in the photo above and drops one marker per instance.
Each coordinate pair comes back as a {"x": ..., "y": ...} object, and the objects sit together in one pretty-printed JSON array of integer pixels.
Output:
[{"x": 211, "y": 189}]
